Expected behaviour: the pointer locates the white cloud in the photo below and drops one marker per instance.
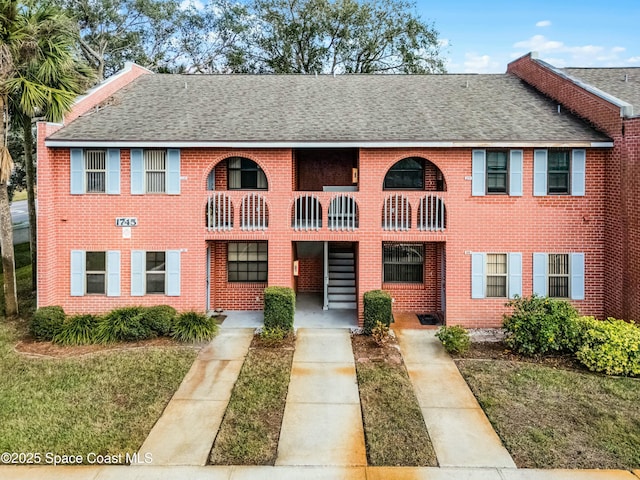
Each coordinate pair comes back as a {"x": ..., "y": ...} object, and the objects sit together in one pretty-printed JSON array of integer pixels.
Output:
[
  {"x": 443, "y": 42},
  {"x": 633, "y": 60},
  {"x": 559, "y": 54},
  {"x": 475, "y": 63},
  {"x": 186, "y": 4},
  {"x": 543, "y": 23}
]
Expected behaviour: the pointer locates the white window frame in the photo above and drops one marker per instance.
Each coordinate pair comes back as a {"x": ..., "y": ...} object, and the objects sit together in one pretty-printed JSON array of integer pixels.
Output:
[
  {"x": 146, "y": 156},
  {"x": 88, "y": 171},
  {"x": 505, "y": 275},
  {"x": 88, "y": 272}
]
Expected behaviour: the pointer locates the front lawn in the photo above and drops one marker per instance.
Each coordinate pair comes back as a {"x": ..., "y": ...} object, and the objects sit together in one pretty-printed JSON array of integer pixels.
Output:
[
  {"x": 551, "y": 417},
  {"x": 103, "y": 403}
]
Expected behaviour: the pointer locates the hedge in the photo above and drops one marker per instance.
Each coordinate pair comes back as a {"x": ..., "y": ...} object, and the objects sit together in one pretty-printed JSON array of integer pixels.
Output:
[
  {"x": 47, "y": 322},
  {"x": 279, "y": 307},
  {"x": 377, "y": 308}
]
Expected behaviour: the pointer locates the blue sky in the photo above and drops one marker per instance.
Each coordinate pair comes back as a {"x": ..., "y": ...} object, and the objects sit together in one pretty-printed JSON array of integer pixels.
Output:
[{"x": 484, "y": 36}]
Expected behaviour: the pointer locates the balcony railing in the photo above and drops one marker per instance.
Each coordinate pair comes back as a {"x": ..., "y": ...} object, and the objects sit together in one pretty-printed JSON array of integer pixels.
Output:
[
  {"x": 343, "y": 213},
  {"x": 254, "y": 213},
  {"x": 431, "y": 214},
  {"x": 396, "y": 213},
  {"x": 219, "y": 212},
  {"x": 307, "y": 213}
]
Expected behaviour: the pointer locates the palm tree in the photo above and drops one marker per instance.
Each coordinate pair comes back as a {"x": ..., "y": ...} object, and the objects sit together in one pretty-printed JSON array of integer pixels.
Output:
[
  {"x": 40, "y": 76},
  {"x": 45, "y": 83}
]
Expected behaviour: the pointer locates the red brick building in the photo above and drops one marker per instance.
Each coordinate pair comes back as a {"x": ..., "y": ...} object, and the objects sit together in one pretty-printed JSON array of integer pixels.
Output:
[{"x": 452, "y": 192}]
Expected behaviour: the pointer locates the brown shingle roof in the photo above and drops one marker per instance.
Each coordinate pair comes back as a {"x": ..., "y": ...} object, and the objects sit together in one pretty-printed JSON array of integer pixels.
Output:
[
  {"x": 623, "y": 83},
  {"x": 346, "y": 108}
]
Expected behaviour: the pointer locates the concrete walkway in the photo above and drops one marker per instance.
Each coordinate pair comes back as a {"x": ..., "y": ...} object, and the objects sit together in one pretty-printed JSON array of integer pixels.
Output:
[
  {"x": 185, "y": 432},
  {"x": 322, "y": 423},
  {"x": 460, "y": 431}
]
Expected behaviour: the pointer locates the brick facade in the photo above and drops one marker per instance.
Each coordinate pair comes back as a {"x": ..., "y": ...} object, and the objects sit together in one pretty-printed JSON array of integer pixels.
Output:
[
  {"x": 493, "y": 223},
  {"x": 622, "y": 180}
]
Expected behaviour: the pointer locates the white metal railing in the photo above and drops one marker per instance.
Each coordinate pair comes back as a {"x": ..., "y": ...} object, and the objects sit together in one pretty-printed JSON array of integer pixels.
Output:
[
  {"x": 343, "y": 213},
  {"x": 219, "y": 212},
  {"x": 431, "y": 214},
  {"x": 307, "y": 213},
  {"x": 254, "y": 213},
  {"x": 396, "y": 213}
]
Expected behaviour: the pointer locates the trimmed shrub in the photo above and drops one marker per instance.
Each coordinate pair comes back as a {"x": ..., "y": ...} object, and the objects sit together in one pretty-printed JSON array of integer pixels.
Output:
[
  {"x": 279, "y": 307},
  {"x": 377, "y": 308},
  {"x": 123, "y": 325},
  {"x": 540, "y": 325},
  {"x": 194, "y": 327},
  {"x": 77, "y": 330},
  {"x": 47, "y": 322},
  {"x": 455, "y": 339},
  {"x": 611, "y": 347},
  {"x": 159, "y": 318}
]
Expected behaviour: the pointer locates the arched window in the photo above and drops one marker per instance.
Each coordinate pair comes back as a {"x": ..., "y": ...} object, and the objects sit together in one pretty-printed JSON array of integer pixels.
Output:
[
  {"x": 245, "y": 174},
  {"x": 407, "y": 174}
]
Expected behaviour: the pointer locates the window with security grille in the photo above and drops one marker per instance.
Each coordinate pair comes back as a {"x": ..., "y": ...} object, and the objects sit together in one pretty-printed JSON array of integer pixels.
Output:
[
  {"x": 558, "y": 172},
  {"x": 558, "y": 275},
  {"x": 497, "y": 172},
  {"x": 403, "y": 262},
  {"x": 96, "y": 273},
  {"x": 155, "y": 272},
  {"x": 245, "y": 174},
  {"x": 247, "y": 262},
  {"x": 155, "y": 170},
  {"x": 496, "y": 275},
  {"x": 95, "y": 166}
]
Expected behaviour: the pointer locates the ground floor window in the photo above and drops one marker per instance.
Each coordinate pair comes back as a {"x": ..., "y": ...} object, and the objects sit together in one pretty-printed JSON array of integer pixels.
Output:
[
  {"x": 155, "y": 272},
  {"x": 96, "y": 273},
  {"x": 558, "y": 275},
  {"x": 247, "y": 262},
  {"x": 403, "y": 262},
  {"x": 496, "y": 275}
]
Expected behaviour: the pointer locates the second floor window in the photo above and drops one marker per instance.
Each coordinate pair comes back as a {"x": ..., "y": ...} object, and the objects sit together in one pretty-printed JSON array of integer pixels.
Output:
[
  {"x": 245, "y": 174},
  {"x": 407, "y": 174},
  {"x": 497, "y": 172},
  {"x": 155, "y": 168},
  {"x": 95, "y": 167},
  {"x": 558, "y": 172}
]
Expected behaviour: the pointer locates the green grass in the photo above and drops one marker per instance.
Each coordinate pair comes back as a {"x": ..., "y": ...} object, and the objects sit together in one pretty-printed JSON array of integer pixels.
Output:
[
  {"x": 551, "y": 418},
  {"x": 251, "y": 426},
  {"x": 26, "y": 297},
  {"x": 22, "y": 253},
  {"x": 104, "y": 403},
  {"x": 19, "y": 195}
]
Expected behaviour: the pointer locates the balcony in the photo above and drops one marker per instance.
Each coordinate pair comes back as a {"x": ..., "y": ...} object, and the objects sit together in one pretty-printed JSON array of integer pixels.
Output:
[
  {"x": 397, "y": 213},
  {"x": 254, "y": 211}
]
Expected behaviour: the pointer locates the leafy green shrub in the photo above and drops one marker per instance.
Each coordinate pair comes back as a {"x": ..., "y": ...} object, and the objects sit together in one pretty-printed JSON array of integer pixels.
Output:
[
  {"x": 279, "y": 307},
  {"x": 455, "y": 339},
  {"x": 380, "y": 333},
  {"x": 159, "y": 318},
  {"x": 611, "y": 347},
  {"x": 123, "y": 325},
  {"x": 194, "y": 327},
  {"x": 540, "y": 325},
  {"x": 77, "y": 330},
  {"x": 377, "y": 308},
  {"x": 46, "y": 322}
]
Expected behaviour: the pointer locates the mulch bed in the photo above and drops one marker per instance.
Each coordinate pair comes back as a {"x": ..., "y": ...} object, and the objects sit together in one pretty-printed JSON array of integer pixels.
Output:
[{"x": 366, "y": 350}]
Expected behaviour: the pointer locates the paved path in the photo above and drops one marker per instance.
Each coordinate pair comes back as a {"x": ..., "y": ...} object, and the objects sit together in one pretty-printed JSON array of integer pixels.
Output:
[
  {"x": 322, "y": 423},
  {"x": 460, "y": 431},
  {"x": 185, "y": 432}
]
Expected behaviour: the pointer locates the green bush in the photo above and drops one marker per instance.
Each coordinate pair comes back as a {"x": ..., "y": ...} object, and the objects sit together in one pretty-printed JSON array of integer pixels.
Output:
[
  {"x": 455, "y": 339},
  {"x": 377, "y": 308},
  {"x": 194, "y": 327},
  {"x": 159, "y": 319},
  {"x": 47, "y": 322},
  {"x": 77, "y": 330},
  {"x": 611, "y": 347},
  {"x": 540, "y": 325},
  {"x": 123, "y": 325},
  {"x": 279, "y": 307}
]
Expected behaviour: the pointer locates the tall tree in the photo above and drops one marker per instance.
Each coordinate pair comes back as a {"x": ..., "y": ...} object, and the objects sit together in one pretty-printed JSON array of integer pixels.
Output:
[
  {"x": 115, "y": 31},
  {"x": 340, "y": 36},
  {"x": 45, "y": 84},
  {"x": 12, "y": 42}
]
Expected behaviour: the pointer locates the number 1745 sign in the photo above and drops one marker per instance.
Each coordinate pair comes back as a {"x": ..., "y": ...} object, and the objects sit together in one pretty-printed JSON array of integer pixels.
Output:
[{"x": 126, "y": 221}]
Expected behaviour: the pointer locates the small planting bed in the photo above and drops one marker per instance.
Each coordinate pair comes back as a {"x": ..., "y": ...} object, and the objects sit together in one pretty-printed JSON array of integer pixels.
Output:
[
  {"x": 552, "y": 413},
  {"x": 250, "y": 430},
  {"x": 394, "y": 428}
]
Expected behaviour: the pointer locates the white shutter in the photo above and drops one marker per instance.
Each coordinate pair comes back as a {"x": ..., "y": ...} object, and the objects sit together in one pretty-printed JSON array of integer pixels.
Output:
[
  {"x": 173, "y": 273},
  {"x": 540, "y": 274},
  {"x": 173, "y": 171},
  {"x": 77, "y": 171},
  {"x": 515, "y": 274},
  {"x": 578, "y": 171},
  {"x": 137, "y": 172},
  {"x": 477, "y": 275},
  {"x": 137, "y": 272},
  {"x": 577, "y": 276},
  {"x": 78, "y": 266},
  {"x": 515, "y": 173},
  {"x": 113, "y": 171},
  {"x": 113, "y": 273},
  {"x": 478, "y": 169},
  {"x": 539, "y": 173}
]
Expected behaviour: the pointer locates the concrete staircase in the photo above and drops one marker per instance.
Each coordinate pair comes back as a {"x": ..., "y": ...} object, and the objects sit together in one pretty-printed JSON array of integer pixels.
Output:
[{"x": 342, "y": 279}]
